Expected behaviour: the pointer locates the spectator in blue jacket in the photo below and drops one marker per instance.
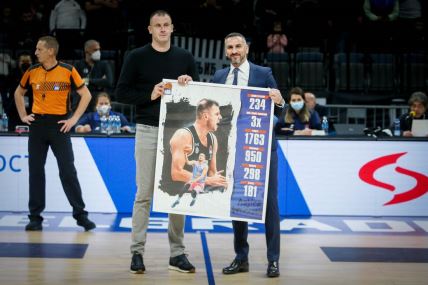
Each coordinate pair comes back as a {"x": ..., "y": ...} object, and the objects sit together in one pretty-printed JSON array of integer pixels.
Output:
[
  {"x": 91, "y": 122},
  {"x": 297, "y": 118}
]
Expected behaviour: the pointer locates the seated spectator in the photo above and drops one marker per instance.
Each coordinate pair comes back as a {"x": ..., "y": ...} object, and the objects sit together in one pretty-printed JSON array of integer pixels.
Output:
[
  {"x": 296, "y": 118},
  {"x": 277, "y": 40},
  {"x": 91, "y": 122},
  {"x": 24, "y": 62},
  {"x": 97, "y": 73},
  {"x": 311, "y": 103},
  {"x": 418, "y": 104}
]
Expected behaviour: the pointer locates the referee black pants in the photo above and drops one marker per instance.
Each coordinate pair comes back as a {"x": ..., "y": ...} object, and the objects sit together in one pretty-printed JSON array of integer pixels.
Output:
[{"x": 45, "y": 133}]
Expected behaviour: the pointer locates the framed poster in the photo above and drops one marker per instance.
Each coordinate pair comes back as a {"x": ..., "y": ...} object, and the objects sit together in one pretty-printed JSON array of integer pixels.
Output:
[{"x": 213, "y": 151}]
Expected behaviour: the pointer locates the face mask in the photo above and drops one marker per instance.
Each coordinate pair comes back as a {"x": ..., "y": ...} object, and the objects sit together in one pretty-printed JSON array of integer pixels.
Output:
[
  {"x": 96, "y": 55},
  {"x": 103, "y": 110},
  {"x": 297, "y": 106}
]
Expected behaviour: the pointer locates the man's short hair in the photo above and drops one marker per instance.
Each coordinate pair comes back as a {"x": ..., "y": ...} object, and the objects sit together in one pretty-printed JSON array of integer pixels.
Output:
[
  {"x": 203, "y": 105},
  {"x": 310, "y": 94},
  {"x": 235, "y": 34},
  {"x": 89, "y": 43},
  {"x": 50, "y": 42},
  {"x": 420, "y": 97},
  {"x": 159, "y": 13}
]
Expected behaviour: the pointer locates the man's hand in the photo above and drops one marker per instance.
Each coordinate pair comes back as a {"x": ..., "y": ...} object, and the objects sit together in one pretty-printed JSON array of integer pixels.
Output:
[
  {"x": 28, "y": 119},
  {"x": 184, "y": 79},
  {"x": 157, "y": 91},
  {"x": 68, "y": 124},
  {"x": 276, "y": 97},
  {"x": 407, "y": 134}
]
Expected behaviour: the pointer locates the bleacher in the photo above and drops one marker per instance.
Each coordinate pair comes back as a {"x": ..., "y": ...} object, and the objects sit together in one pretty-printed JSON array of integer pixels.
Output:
[{"x": 362, "y": 74}]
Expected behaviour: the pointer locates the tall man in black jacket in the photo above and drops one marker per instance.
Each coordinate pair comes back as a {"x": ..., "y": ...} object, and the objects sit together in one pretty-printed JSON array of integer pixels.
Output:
[{"x": 140, "y": 83}]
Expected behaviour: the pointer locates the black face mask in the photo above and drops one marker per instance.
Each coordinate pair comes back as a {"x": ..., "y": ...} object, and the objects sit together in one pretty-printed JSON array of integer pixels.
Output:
[{"x": 25, "y": 66}]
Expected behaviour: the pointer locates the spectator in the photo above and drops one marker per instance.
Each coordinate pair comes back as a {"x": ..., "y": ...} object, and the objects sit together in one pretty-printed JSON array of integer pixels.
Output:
[
  {"x": 97, "y": 73},
  {"x": 67, "y": 15},
  {"x": 90, "y": 122},
  {"x": 24, "y": 62},
  {"x": 265, "y": 13},
  {"x": 409, "y": 23},
  {"x": 381, "y": 10},
  {"x": 6, "y": 69},
  {"x": 6, "y": 64},
  {"x": 379, "y": 17},
  {"x": 311, "y": 103},
  {"x": 277, "y": 40},
  {"x": 418, "y": 104},
  {"x": 297, "y": 118},
  {"x": 68, "y": 22}
]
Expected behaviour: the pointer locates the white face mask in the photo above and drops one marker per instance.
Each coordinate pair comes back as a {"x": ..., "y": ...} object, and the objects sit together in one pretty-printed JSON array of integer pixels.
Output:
[
  {"x": 104, "y": 109},
  {"x": 96, "y": 55}
]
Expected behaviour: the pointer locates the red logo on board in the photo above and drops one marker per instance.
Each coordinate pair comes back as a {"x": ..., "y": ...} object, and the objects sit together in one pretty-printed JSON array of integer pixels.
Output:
[{"x": 367, "y": 175}]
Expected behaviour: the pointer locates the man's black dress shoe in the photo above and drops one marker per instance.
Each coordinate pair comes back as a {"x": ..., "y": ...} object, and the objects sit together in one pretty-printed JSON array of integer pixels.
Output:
[
  {"x": 273, "y": 269},
  {"x": 35, "y": 225},
  {"x": 236, "y": 266}
]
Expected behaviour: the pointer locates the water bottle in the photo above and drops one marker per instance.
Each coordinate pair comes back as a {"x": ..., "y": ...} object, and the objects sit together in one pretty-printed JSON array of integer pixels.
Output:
[
  {"x": 5, "y": 122},
  {"x": 324, "y": 125},
  {"x": 397, "y": 128},
  {"x": 104, "y": 124},
  {"x": 110, "y": 125},
  {"x": 117, "y": 124}
]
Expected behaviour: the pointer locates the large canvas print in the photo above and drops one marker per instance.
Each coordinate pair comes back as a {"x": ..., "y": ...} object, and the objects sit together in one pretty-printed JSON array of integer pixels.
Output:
[{"x": 213, "y": 151}]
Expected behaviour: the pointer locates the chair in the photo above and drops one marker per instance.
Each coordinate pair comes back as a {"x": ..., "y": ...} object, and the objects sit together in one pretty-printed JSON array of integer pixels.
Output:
[
  {"x": 281, "y": 69},
  {"x": 126, "y": 109},
  {"x": 311, "y": 71},
  {"x": 350, "y": 72},
  {"x": 414, "y": 72},
  {"x": 382, "y": 73}
]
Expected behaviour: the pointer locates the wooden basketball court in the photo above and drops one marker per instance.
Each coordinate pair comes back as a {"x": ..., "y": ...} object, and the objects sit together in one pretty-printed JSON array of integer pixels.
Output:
[{"x": 304, "y": 258}]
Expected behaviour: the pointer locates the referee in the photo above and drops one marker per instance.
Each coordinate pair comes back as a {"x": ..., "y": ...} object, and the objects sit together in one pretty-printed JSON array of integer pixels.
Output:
[{"x": 51, "y": 83}]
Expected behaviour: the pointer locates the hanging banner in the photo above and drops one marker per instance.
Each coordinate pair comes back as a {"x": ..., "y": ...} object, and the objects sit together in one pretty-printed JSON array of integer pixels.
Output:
[{"x": 213, "y": 151}]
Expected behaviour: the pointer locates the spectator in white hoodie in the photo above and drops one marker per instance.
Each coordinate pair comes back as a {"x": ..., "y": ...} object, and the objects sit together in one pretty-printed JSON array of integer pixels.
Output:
[
  {"x": 67, "y": 15},
  {"x": 67, "y": 23}
]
